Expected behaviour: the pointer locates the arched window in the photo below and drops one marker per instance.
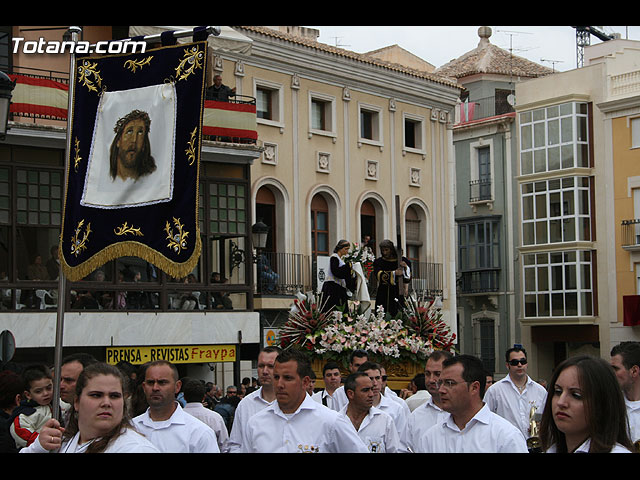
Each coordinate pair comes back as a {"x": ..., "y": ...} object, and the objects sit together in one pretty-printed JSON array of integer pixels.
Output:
[{"x": 319, "y": 226}]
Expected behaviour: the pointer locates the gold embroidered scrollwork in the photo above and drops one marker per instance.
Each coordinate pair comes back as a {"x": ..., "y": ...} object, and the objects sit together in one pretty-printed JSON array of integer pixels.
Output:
[
  {"x": 89, "y": 76},
  {"x": 126, "y": 229},
  {"x": 192, "y": 59},
  {"x": 178, "y": 240},
  {"x": 78, "y": 244},
  {"x": 77, "y": 158},
  {"x": 133, "y": 65},
  {"x": 191, "y": 150}
]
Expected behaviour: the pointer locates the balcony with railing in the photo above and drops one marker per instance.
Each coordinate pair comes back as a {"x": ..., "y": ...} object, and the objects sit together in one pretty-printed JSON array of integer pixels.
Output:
[
  {"x": 282, "y": 274},
  {"x": 473, "y": 109},
  {"x": 479, "y": 282},
  {"x": 631, "y": 234},
  {"x": 480, "y": 190}
]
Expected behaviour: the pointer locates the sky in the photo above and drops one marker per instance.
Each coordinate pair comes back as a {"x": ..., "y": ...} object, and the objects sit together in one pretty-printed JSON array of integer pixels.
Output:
[{"x": 551, "y": 46}]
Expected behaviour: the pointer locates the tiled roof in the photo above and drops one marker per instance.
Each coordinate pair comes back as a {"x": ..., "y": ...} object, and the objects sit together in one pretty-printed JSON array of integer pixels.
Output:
[
  {"x": 488, "y": 58},
  {"x": 347, "y": 54}
]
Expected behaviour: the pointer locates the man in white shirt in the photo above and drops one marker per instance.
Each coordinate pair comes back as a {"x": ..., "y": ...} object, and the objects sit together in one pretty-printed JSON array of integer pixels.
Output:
[
  {"x": 625, "y": 360},
  {"x": 165, "y": 423},
  {"x": 357, "y": 358},
  {"x": 515, "y": 395},
  {"x": 428, "y": 414},
  {"x": 420, "y": 394},
  {"x": 390, "y": 394},
  {"x": 386, "y": 403},
  {"x": 256, "y": 400},
  {"x": 375, "y": 428},
  {"x": 332, "y": 381},
  {"x": 470, "y": 427},
  {"x": 194, "y": 394},
  {"x": 294, "y": 422}
]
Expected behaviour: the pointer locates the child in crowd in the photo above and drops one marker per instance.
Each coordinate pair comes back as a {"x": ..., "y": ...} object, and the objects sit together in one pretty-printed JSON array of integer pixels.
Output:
[{"x": 36, "y": 408}]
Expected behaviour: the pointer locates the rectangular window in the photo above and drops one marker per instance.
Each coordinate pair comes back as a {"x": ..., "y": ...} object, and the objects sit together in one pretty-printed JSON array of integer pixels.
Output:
[
  {"x": 554, "y": 138},
  {"x": 320, "y": 232},
  {"x": 556, "y": 211},
  {"x": 264, "y": 103},
  {"x": 413, "y": 133},
  {"x": 558, "y": 284},
  {"x": 370, "y": 124},
  {"x": 318, "y": 114},
  {"x": 635, "y": 132},
  {"x": 479, "y": 245}
]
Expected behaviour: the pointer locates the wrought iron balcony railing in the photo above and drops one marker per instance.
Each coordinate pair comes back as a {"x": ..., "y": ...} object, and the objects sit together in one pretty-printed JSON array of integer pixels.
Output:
[
  {"x": 479, "y": 281},
  {"x": 480, "y": 190}
]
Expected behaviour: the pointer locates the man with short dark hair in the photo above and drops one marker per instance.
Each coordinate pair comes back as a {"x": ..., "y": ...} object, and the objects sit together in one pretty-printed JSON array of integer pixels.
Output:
[
  {"x": 470, "y": 426},
  {"x": 428, "y": 414},
  {"x": 420, "y": 395},
  {"x": 356, "y": 358},
  {"x": 295, "y": 422},
  {"x": 375, "y": 428},
  {"x": 165, "y": 423},
  {"x": 386, "y": 404},
  {"x": 70, "y": 369},
  {"x": 625, "y": 360},
  {"x": 194, "y": 394},
  {"x": 515, "y": 395},
  {"x": 257, "y": 400},
  {"x": 332, "y": 381}
]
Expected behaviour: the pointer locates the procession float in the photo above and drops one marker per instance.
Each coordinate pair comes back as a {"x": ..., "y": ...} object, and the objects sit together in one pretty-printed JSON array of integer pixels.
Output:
[{"x": 400, "y": 343}]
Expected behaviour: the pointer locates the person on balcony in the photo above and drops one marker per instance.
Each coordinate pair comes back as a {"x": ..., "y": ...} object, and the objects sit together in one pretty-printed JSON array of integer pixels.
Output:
[
  {"x": 339, "y": 278},
  {"x": 219, "y": 92}
]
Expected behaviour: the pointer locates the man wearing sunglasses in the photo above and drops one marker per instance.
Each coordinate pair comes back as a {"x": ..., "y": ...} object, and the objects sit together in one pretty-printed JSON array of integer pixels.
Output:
[{"x": 514, "y": 396}]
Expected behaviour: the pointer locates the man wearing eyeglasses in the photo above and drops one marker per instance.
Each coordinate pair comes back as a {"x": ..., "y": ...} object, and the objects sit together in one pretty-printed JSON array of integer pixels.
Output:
[
  {"x": 470, "y": 426},
  {"x": 515, "y": 395}
]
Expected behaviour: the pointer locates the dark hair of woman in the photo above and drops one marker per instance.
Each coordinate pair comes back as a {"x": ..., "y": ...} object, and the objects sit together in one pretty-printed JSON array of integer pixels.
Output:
[{"x": 604, "y": 406}]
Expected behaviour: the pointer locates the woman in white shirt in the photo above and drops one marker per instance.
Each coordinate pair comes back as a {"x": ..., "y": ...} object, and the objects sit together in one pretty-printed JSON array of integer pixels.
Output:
[
  {"x": 585, "y": 410},
  {"x": 99, "y": 422}
]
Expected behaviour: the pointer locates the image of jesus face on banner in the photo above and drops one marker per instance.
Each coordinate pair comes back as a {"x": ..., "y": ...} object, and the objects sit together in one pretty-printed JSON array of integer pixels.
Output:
[
  {"x": 132, "y": 157},
  {"x": 130, "y": 152}
]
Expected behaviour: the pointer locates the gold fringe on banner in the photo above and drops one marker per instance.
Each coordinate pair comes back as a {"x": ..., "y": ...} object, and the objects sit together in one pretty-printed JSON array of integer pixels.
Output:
[{"x": 131, "y": 248}]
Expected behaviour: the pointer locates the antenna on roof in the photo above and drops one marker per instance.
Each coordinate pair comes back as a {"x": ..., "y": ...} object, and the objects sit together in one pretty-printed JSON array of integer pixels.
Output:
[
  {"x": 511, "y": 33},
  {"x": 552, "y": 62},
  {"x": 337, "y": 42}
]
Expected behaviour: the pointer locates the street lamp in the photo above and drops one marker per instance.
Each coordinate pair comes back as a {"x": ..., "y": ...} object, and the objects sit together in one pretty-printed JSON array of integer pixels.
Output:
[
  {"x": 259, "y": 232},
  {"x": 6, "y": 89}
]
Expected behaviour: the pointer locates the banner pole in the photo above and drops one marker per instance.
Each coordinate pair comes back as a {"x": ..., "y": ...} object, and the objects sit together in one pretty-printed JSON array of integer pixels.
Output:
[{"x": 61, "y": 278}]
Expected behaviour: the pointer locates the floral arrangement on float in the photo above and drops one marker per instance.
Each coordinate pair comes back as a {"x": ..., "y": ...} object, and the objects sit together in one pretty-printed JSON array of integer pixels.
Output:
[
  {"x": 363, "y": 255},
  {"x": 332, "y": 335}
]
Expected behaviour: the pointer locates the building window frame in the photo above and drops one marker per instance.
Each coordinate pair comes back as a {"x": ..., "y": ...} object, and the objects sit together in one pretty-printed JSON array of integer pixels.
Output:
[
  {"x": 322, "y": 108},
  {"x": 414, "y": 133},
  {"x": 558, "y": 284},
  {"x": 269, "y": 102},
  {"x": 370, "y": 124},
  {"x": 561, "y": 205},
  {"x": 555, "y": 138}
]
